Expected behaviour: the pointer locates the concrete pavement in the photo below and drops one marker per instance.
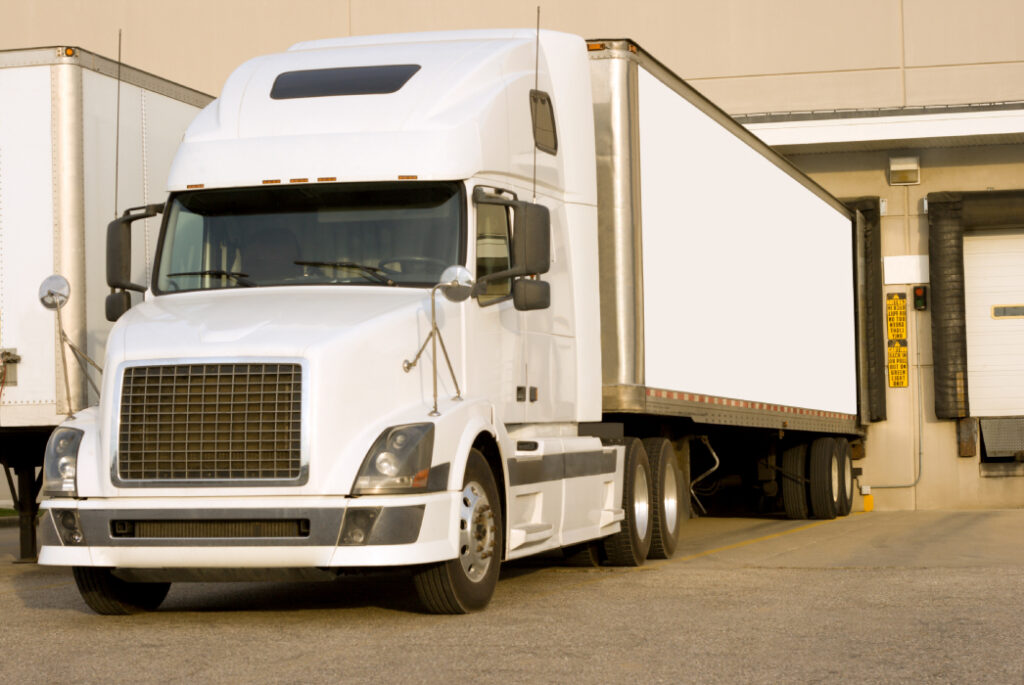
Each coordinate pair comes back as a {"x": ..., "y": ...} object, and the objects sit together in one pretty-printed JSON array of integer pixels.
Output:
[{"x": 916, "y": 597}]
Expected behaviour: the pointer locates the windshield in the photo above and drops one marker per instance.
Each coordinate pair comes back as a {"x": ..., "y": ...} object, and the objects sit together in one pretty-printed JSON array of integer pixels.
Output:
[{"x": 389, "y": 234}]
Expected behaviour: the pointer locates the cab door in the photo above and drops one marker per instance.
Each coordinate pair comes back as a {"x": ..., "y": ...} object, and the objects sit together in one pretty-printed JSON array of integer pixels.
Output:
[{"x": 494, "y": 340}]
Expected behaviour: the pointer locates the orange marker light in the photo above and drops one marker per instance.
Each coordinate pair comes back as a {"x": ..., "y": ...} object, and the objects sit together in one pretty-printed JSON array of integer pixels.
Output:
[
  {"x": 594, "y": 47},
  {"x": 299, "y": 180},
  {"x": 271, "y": 181},
  {"x": 194, "y": 186},
  {"x": 407, "y": 178},
  {"x": 327, "y": 179}
]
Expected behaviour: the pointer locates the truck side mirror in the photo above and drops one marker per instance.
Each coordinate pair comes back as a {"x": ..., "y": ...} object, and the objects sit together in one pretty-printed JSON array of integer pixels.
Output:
[
  {"x": 530, "y": 250},
  {"x": 528, "y": 294},
  {"x": 531, "y": 238},
  {"x": 117, "y": 304},
  {"x": 119, "y": 258}
]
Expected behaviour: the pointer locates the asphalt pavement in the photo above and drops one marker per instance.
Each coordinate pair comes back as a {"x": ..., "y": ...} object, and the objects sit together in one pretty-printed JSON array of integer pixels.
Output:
[{"x": 884, "y": 597}]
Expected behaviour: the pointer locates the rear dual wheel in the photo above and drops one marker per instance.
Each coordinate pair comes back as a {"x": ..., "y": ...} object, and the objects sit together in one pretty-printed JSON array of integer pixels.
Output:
[
  {"x": 670, "y": 505},
  {"x": 818, "y": 481},
  {"x": 629, "y": 547},
  {"x": 827, "y": 481},
  {"x": 654, "y": 504},
  {"x": 846, "y": 477},
  {"x": 794, "y": 482}
]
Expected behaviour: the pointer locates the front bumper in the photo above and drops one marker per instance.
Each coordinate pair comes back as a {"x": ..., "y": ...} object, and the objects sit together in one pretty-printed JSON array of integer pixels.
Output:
[{"x": 223, "y": 533}]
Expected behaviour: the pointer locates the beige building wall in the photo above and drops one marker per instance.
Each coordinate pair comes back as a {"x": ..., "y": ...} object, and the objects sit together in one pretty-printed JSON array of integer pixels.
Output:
[{"x": 747, "y": 55}]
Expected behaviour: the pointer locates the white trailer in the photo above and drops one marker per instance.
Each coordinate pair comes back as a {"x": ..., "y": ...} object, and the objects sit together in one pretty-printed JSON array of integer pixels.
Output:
[
  {"x": 58, "y": 139},
  {"x": 623, "y": 270}
]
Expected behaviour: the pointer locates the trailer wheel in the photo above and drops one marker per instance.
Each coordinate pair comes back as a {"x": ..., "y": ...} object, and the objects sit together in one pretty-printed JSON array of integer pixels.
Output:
[
  {"x": 667, "y": 494},
  {"x": 794, "y": 481},
  {"x": 629, "y": 547},
  {"x": 467, "y": 582},
  {"x": 107, "y": 594},
  {"x": 825, "y": 478},
  {"x": 846, "y": 477}
]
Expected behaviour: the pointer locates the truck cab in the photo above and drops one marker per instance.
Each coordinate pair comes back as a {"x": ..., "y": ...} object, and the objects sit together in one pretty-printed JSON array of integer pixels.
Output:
[{"x": 294, "y": 395}]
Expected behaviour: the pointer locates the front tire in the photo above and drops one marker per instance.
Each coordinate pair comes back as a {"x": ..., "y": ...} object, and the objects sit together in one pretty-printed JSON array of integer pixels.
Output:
[
  {"x": 630, "y": 546},
  {"x": 108, "y": 595},
  {"x": 467, "y": 582}
]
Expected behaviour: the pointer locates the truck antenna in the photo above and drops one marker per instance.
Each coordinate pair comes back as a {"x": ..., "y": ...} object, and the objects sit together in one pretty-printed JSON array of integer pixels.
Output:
[
  {"x": 117, "y": 123},
  {"x": 536, "y": 86}
]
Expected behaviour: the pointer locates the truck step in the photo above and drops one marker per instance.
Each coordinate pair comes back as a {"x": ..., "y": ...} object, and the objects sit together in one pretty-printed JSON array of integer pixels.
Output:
[
  {"x": 529, "y": 532},
  {"x": 610, "y": 516}
]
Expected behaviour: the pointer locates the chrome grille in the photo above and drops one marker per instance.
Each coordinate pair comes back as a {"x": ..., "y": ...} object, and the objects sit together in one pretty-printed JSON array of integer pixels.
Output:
[{"x": 211, "y": 422}]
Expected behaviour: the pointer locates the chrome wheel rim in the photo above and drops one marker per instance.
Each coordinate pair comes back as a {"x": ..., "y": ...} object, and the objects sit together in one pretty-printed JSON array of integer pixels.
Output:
[
  {"x": 848, "y": 474},
  {"x": 835, "y": 478},
  {"x": 670, "y": 499},
  {"x": 476, "y": 532},
  {"x": 641, "y": 502}
]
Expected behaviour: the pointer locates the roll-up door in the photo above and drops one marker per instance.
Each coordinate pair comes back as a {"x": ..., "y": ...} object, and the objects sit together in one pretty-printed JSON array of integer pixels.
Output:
[{"x": 994, "y": 313}]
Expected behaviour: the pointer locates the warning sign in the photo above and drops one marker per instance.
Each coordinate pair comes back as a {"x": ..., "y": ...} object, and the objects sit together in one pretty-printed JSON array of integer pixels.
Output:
[
  {"x": 898, "y": 373},
  {"x": 896, "y": 316}
]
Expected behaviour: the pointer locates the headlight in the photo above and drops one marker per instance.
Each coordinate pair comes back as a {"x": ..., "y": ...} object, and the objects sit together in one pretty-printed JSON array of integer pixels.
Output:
[
  {"x": 398, "y": 462},
  {"x": 60, "y": 463}
]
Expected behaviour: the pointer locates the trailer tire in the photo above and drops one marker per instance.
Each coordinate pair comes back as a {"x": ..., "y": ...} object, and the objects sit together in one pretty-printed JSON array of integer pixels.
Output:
[
  {"x": 845, "y": 477},
  {"x": 108, "y": 595},
  {"x": 794, "y": 482},
  {"x": 629, "y": 547},
  {"x": 667, "y": 496},
  {"x": 825, "y": 478},
  {"x": 467, "y": 583}
]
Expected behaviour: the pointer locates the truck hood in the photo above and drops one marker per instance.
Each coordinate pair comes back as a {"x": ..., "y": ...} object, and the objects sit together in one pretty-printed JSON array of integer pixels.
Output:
[{"x": 277, "y": 322}]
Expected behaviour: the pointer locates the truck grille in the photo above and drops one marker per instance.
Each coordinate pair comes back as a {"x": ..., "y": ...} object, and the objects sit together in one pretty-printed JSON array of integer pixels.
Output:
[{"x": 211, "y": 422}]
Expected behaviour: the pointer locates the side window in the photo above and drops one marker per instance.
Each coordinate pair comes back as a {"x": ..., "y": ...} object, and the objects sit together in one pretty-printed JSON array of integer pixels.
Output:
[
  {"x": 542, "y": 112},
  {"x": 492, "y": 250}
]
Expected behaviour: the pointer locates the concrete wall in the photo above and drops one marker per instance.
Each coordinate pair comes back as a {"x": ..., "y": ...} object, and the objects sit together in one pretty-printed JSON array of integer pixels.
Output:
[{"x": 747, "y": 55}]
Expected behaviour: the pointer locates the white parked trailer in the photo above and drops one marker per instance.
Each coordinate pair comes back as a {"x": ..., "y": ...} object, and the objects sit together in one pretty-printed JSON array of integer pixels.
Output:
[
  {"x": 58, "y": 140},
  {"x": 623, "y": 269}
]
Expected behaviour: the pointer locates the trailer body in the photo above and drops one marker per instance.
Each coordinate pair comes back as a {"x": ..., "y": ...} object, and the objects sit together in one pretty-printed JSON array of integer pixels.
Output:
[
  {"x": 58, "y": 141},
  {"x": 728, "y": 289}
]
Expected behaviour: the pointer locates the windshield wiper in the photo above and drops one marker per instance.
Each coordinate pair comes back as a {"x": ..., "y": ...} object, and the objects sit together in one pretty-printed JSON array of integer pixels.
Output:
[
  {"x": 237, "y": 276},
  {"x": 374, "y": 272}
]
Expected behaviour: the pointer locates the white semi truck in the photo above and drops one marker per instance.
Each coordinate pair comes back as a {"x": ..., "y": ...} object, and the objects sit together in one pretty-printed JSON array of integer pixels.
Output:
[
  {"x": 442, "y": 300},
  {"x": 62, "y": 145}
]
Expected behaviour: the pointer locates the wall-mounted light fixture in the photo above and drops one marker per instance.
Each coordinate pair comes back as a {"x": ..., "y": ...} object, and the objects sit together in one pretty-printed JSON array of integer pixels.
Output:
[{"x": 904, "y": 171}]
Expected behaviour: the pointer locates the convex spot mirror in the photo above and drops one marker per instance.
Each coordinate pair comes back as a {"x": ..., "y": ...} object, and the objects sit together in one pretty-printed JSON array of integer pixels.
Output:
[
  {"x": 54, "y": 291},
  {"x": 456, "y": 283}
]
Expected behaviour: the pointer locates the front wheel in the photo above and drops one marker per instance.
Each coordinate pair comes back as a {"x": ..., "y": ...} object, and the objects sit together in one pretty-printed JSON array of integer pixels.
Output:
[
  {"x": 107, "y": 594},
  {"x": 467, "y": 582}
]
